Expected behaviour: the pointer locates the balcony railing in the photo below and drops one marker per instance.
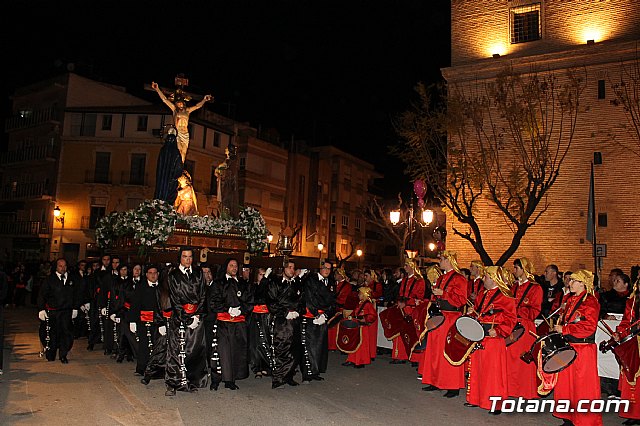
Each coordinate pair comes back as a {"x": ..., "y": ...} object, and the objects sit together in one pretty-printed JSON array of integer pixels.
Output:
[
  {"x": 24, "y": 190},
  {"x": 32, "y": 119},
  {"x": 32, "y": 228},
  {"x": 127, "y": 179},
  {"x": 31, "y": 153},
  {"x": 90, "y": 176}
]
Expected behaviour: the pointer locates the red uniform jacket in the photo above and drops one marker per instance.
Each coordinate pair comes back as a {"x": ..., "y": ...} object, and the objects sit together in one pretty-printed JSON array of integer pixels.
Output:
[
  {"x": 528, "y": 302},
  {"x": 411, "y": 288},
  {"x": 495, "y": 308},
  {"x": 455, "y": 288},
  {"x": 630, "y": 317},
  {"x": 587, "y": 311}
]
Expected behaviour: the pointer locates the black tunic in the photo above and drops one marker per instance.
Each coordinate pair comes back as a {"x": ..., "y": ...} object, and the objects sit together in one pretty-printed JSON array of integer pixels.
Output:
[
  {"x": 284, "y": 296},
  {"x": 186, "y": 294},
  {"x": 145, "y": 299},
  {"x": 231, "y": 332},
  {"x": 261, "y": 355},
  {"x": 318, "y": 298}
]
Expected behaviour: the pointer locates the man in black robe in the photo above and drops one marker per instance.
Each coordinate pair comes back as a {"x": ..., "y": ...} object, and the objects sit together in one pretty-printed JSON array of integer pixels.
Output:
[
  {"x": 211, "y": 330},
  {"x": 145, "y": 317},
  {"x": 232, "y": 302},
  {"x": 58, "y": 304},
  {"x": 186, "y": 367},
  {"x": 261, "y": 356},
  {"x": 284, "y": 300},
  {"x": 106, "y": 299},
  {"x": 169, "y": 169},
  {"x": 319, "y": 300},
  {"x": 156, "y": 365}
]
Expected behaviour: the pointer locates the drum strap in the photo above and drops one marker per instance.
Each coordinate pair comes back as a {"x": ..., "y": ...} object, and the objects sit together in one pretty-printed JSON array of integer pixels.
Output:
[
  {"x": 575, "y": 308},
  {"x": 490, "y": 301},
  {"x": 526, "y": 290}
]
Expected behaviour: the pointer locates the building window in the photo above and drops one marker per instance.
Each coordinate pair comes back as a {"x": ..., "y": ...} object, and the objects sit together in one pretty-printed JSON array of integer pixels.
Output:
[
  {"x": 332, "y": 248},
  {"x": 190, "y": 166},
  {"x": 101, "y": 170},
  {"x": 143, "y": 120},
  {"x": 344, "y": 246},
  {"x": 107, "y": 121},
  {"x": 526, "y": 24},
  {"x": 357, "y": 224},
  {"x": 136, "y": 174},
  {"x": 345, "y": 221},
  {"x": 216, "y": 139},
  {"x": 601, "y": 89},
  {"x": 96, "y": 213},
  {"x": 243, "y": 163},
  {"x": 89, "y": 124},
  {"x": 597, "y": 157},
  {"x": 602, "y": 220},
  {"x": 333, "y": 220}
]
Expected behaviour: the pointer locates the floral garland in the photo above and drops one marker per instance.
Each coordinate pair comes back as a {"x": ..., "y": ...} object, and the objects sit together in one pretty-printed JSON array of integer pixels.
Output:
[{"x": 155, "y": 220}]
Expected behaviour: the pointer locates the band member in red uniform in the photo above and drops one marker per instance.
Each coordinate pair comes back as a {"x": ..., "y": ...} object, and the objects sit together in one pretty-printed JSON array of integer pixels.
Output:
[
  {"x": 496, "y": 311},
  {"x": 450, "y": 293},
  {"x": 629, "y": 390},
  {"x": 477, "y": 273},
  {"x": 411, "y": 293},
  {"x": 343, "y": 294},
  {"x": 371, "y": 281},
  {"x": 528, "y": 298},
  {"x": 578, "y": 323},
  {"x": 367, "y": 316}
]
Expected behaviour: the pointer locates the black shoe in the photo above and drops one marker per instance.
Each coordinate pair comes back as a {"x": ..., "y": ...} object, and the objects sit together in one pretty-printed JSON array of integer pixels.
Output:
[
  {"x": 214, "y": 386},
  {"x": 193, "y": 388},
  {"x": 292, "y": 382},
  {"x": 64, "y": 360},
  {"x": 231, "y": 385},
  {"x": 414, "y": 364},
  {"x": 170, "y": 392},
  {"x": 107, "y": 352},
  {"x": 348, "y": 364},
  {"x": 498, "y": 412},
  {"x": 277, "y": 385},
  {"x": 359, "y": 366},
  {"x": 467, "y": 404},
  {"x": 317, "y": 377},
  {"x": 430, "y": 388},
  {"x": 451, "y": 393},
  {"x": 90, "y": 347},
  {"x": 306, "y": 380},
  {"x": 145, "y": 381}
]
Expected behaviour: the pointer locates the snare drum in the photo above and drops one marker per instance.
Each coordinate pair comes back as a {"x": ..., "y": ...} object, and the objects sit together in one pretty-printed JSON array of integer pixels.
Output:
[
  {"x": 470, "y": 328},
  {"x": 556, "y": 352},
  {"x": 516, "y": 334},
  {"x": 435, "y": 317}
]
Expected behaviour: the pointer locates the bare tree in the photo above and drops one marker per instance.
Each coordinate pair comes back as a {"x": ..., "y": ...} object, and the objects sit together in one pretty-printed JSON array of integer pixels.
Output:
[
  {"x": 379, "y": 216},
  {"x": 627, "y": 96},
  {"x": 503, "y": 141},
  {"x": 343, "y": 260}
]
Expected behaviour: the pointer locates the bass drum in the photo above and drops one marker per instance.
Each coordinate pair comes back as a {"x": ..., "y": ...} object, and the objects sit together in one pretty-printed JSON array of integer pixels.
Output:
[
  {"x": 628, "y": 357},
  {"x": 515, "y": 335},
  {"x": 435, "y": 317},
  {"x": 554, "y": 351},
  {"x": 349, "y": 336},
  {"x": 462, "y": 338}
]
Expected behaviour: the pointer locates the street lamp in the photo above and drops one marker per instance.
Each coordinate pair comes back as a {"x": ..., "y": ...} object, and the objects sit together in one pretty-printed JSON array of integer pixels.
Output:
[
  {"x": 424, "y": 220},
  {"x": 320, "y": 248},
  {"x": 59, "y": 215},
  {"x": 269, "y": 239},
  {"x": 359, "y": 254}
]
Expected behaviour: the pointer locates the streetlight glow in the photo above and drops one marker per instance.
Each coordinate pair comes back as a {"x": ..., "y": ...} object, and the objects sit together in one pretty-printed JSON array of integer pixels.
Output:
[
  {"x": 56, "y": 211},
  {"x": 427, "y": 216},
  {"x": 394, "y": 216},
  {"x": 320, "y": 246},
  {"x": 359, "y": 252},
  {"x": 269, "y": 237}
]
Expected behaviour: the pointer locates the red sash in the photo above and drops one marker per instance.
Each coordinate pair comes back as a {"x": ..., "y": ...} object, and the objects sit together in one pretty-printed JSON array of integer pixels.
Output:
[
  {"x": 190, "y": 308},
  {"x": 146, "y": 316},
  {"x": 166, "y": 314},
  {"x": 127, "y": 305},
  {"x": 260, "y": 309},
  {"x": 308, "y": 314},
  {"x": 226, "y": 317}
]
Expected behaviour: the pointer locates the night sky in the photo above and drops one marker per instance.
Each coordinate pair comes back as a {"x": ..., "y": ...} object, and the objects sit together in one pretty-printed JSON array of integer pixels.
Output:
[{"x": 328, "y": 72}]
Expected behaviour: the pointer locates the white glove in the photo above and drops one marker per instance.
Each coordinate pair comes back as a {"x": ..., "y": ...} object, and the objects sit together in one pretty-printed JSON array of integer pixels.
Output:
[
  {"x": 115, "y": 319},
  {"x": 103, "y": 312},
  {"x": 43, "y": 315},
  {"x": 302, "y": 272},
  {"x": 292, "y": 315},
  {"x": 74, "y": 314},
  {"x": 133, "y": 327},
  {"x": 235, "y": 312},
  {"x": 320, "y": 319},
  {"x": 195, "y": 323},
  {"x": 162, "y": 330},
  {"x": 267, "y": 272},
  {"x": 87, "y": 307}
]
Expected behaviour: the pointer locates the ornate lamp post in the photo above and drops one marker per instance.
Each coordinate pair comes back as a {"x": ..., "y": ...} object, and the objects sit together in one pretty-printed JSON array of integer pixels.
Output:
[
  {"x": 359, "y": 254},
  {"x": 426, "y": 218},
  {"x": 269, "y": 239},
  {"x": 320, "y": 248}
]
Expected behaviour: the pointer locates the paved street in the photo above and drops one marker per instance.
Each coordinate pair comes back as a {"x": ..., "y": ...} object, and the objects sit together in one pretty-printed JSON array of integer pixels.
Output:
[{"x": 94, "y": 389}]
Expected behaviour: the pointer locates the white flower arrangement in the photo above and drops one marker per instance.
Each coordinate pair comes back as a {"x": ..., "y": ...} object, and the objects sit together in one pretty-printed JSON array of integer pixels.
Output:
[{"x": 155, "y": 220}]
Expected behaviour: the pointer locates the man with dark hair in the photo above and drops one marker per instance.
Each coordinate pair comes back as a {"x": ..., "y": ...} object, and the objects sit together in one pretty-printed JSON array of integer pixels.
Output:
[
  {"x": 615, "y": 300},
  {"x": 146, "y": 317},
  {"x": 284, "y": 300},
  {"x": 232, "y": 302},
  {"x": 551, "y": 287},
  {"x": 58, "y": 304},
  {"x": 319, "y": 300},
  {"x": 108, "y": 274},
  {"x": 186, "y": 368}
]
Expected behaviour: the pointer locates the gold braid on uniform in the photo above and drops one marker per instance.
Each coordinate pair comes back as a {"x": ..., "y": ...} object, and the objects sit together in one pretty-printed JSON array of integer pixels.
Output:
[
  {"x": 586, "y": 278},
  {"x": 527, "y": 267},
  {"x": 453, "y": 259},
  {"x": 499, "y": 274}
]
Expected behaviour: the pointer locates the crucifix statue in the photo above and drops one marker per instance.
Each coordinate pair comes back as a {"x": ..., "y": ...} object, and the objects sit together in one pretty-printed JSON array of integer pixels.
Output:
[{"x": 177, "y": 101}]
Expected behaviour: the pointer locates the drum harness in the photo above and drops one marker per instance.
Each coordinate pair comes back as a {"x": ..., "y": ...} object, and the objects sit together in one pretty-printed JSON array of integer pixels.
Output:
[
  {"x": 570, "y": 338},
  {"x": 443, "y": 304}
]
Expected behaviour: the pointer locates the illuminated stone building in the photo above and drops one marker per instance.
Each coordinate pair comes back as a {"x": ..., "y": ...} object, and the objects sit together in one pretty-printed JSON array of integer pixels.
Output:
[{"x": 600, "y": 37}]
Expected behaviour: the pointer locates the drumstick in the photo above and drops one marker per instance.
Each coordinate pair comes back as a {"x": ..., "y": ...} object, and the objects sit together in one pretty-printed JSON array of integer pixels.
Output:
[
  {"x": 533, "y": 334},
  {"x": 605, "y": 330},
  {"x": 609, "y": 330}
]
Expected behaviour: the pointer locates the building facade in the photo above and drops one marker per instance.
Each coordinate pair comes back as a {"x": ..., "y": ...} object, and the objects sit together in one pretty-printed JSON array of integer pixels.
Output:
[
  {"x": 600, "y": 38},
  {"x": 88, "y": 148}
]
